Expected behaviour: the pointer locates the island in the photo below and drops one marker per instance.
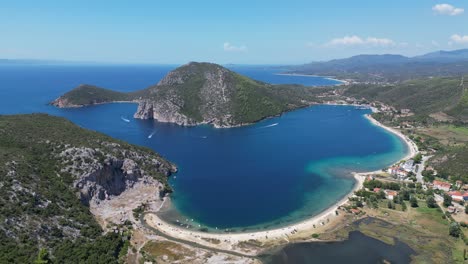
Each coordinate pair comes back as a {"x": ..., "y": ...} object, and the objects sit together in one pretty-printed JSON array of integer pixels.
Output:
[{"x": 203, "y": 93}]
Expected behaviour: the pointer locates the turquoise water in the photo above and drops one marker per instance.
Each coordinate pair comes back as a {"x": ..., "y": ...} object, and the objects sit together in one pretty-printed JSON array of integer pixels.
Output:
[{"x": 278, "y": 171}]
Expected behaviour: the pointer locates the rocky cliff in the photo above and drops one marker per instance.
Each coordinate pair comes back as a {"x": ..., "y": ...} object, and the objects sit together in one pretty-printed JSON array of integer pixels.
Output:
[
  {"x": 101, "y": 175},
  {"x": 192, "y": 94}
]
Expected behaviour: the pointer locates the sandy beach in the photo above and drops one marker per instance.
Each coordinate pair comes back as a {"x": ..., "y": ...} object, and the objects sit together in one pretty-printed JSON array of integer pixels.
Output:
[
  {"x": 342, "y": 82},
  {"x": 228, "y": 240},
  {"x": 412, "y": 147}
]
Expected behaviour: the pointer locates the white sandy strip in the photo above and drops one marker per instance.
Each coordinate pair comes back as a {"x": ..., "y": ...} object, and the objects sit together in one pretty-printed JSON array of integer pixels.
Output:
[
  {"x": 272, "y": 234},
  {"x": 279, "y": 233},
  {"x": 413, "y": 148},
  {"x": 308, "y": 75}
]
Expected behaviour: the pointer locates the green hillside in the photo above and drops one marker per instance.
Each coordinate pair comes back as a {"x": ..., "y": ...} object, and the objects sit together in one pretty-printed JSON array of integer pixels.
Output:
[
  {"x": 88, "y": 95},
  {"x": 422, "y": 96},
  {"x": 460, "y": 111},
  {"x": 39, "y": 207}
]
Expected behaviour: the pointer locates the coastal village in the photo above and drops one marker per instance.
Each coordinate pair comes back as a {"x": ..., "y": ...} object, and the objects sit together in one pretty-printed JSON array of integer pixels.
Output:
[{"x": 415, "y": 169}]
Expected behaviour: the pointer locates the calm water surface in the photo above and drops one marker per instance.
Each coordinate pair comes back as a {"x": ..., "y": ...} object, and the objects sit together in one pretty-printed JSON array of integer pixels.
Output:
[
  {"x": 277, "y": 171},
  {"x": 358, "y": 249}
]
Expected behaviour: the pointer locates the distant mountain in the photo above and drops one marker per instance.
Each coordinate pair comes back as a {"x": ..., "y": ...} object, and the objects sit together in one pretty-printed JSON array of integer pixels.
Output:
[
  {"x": 371, "y": 60},
  {"x": 391, "y": 68},
  {"x": 445, "y": 56},
  {"x": 202, "y": 93}
]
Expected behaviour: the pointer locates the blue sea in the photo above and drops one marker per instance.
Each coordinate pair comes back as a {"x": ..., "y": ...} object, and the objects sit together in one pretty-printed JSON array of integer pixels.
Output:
[{"x": 272, "y": 173}]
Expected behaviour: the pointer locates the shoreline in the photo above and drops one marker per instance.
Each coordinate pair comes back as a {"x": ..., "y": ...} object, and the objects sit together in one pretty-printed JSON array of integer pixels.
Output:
[
  {"x": 341, "y": 82},
  {"x": 412, "y": 147},
  {"x": 227, "y": 240},
  {"x": 280, "y": 233}
]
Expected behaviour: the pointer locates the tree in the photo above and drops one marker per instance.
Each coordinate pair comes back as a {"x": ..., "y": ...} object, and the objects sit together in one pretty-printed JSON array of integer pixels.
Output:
[
  {"x": 431, "y": 202},
  {"x": 417, "y": 158},
  {"x": 359, "y": 203},
  {"x": 428, "y": 175},
  {"x": 447, "y": 200},
  {"x": 454, "y": 229},
  {"x": 42, "y": 257},
  {"x": 466, "y": 209},
  {"x": 403, "y": 206},
  {"x": 389, "y": 204},
  {"x": 381, "y": 194},
  {"x": 405, "y": 195},
  {"x": 374, "y": 201},
  {"x": 413, "y": 201}
]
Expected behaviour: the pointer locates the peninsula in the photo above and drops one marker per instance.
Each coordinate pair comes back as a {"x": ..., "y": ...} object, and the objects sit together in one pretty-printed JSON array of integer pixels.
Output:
[{"x": 202, "y": 93}]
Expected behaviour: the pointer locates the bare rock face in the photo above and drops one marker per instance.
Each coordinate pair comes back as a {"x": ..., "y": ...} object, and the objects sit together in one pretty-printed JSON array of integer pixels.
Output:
[
  {"x": 112, "y": 178},
  {"x": 100, "y": 179},
  {"x": 62, "y": 102},
  {"x": 145, "y": 110},
  {"x": 214, "y": 89},
  {"x": 163, "y": 111}
]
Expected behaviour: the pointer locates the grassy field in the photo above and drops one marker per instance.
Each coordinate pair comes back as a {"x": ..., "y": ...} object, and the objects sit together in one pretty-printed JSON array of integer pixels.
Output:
[
  {"x": 156, "y": 250},
  {"x": 447, "y": 134}
]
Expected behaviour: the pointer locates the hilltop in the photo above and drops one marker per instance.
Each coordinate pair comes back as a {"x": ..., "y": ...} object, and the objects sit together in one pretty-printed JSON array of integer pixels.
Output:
[
  {"x": 202, "y": 93},
  {"x": 52, "y": 173},
  {"x": 85, "y": 94}
]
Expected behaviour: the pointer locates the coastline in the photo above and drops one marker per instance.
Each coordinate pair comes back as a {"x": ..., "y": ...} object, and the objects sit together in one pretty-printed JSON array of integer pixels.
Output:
[
  {"x": 412, "y": 147},
  {"x": 281, "y": 233},
  {"x": 315, "y": 223},
  {"x": 342, "y": 82}
]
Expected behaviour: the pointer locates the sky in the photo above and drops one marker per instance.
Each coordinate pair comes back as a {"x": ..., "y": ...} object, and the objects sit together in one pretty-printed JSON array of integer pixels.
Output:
[{"x": 227, "y": 31}]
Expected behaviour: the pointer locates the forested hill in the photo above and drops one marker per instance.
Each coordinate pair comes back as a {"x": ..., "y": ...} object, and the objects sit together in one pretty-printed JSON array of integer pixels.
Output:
[
  {"x": 424, "y": 97},
  {"x": 202, "y": 93},
  {"x": 50, "y": 169}
]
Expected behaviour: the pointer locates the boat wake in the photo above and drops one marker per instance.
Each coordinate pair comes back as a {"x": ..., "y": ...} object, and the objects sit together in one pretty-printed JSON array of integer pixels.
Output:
[
  {"x": 125, "y": 119},
  {"x": 272, "y": 125},
  {"x": 152, "y": 134}
]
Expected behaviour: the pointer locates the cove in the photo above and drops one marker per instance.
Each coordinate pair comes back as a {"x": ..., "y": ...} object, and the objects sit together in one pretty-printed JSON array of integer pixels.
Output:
[{"x": 278, "y": 171}]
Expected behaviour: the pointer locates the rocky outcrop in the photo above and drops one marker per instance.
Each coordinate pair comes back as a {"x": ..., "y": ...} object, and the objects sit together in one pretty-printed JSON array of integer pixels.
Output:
[
  {"x": 214, "y": 93},
  {"x": 101, "y": 176},
  {"x": 163, "y": 111},
  {"x": 111, "y": 178},
  {"x": 145, "y": 110},
  {"x": 63, "y": 102}
]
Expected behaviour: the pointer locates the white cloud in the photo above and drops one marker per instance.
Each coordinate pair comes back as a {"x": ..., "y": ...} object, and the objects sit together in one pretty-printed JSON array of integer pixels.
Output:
[
  {"x": 356, "y": 40},
  {"x": 229, "y": 47},
  {"x": 446, "y": 9},
  {"x": 458, "y": 39}
]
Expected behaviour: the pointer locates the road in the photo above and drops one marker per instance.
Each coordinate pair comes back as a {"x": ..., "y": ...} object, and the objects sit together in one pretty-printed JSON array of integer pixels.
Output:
[
  {"x": 190, "y": 243},
  {"x": 419, "y": 176}
]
